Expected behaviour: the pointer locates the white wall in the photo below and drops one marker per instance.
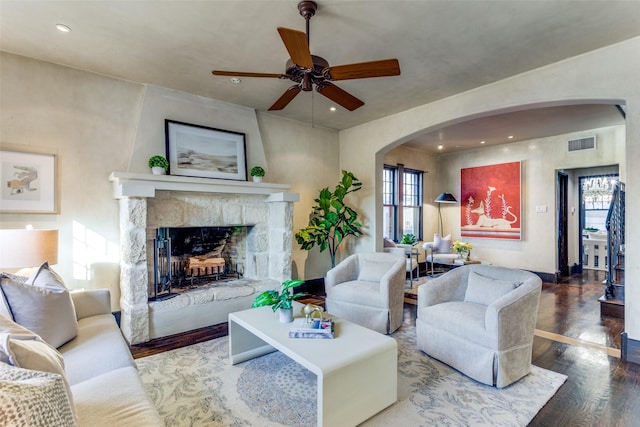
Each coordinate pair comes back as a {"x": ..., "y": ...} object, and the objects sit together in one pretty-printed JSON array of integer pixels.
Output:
[
  {"x": 306, "y": 158},
  {"x": 97, "y": 125},
  {"x": 605, "y": 75},
  {"x": 541, "y": 159},
  {"x": 89, "y": 121}
]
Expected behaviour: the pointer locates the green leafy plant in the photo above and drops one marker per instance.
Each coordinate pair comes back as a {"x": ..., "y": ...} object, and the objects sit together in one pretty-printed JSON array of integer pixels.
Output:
[
  {"x": 331, "y": 220},
  {"x": 159, "y": 161},
  {"x": 408, "y": 239},
  {"x": 257, "y": 171},
  {"x": 282, "y": 299}
]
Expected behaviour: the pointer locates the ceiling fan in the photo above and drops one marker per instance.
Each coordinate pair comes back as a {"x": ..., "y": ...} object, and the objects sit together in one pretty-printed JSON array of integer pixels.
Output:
[{"x": 308, "y": 70}]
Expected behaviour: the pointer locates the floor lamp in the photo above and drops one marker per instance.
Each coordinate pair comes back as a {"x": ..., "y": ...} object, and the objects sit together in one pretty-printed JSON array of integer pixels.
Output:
[{"x": 443, "y": 198}]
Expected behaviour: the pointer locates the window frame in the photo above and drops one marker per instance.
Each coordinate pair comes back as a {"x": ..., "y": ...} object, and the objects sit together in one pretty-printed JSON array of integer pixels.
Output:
[{"x": 399, "y": 175}]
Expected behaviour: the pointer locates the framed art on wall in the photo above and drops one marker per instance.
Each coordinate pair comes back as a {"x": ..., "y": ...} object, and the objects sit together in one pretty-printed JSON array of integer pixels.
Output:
[
  {"x": 29, "y": 182},
  {"x": 490, "y": 201},
  {"x": 200, "y": 151}
]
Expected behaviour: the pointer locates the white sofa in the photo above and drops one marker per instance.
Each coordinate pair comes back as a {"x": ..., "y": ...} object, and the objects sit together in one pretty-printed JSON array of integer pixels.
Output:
[{"x": 104, "y": 382}]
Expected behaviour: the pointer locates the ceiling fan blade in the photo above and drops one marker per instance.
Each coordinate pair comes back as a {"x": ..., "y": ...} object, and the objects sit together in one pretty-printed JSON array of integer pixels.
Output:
[
  {"x": 339, "y": 96},
  {"x": 247, "y": 74},
  {"x": 363, "y": 70},
  {"x": 296, "y": 43},
  {"x": 286, "y": 98}
]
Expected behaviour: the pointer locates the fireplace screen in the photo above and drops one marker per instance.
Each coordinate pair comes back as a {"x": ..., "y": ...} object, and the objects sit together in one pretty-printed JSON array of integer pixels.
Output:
[{"x": 191, "y": 257}]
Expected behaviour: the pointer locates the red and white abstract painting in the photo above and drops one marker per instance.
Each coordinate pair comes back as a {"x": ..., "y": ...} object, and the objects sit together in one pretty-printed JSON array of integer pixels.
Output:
[{"x": 490, "y": 201}]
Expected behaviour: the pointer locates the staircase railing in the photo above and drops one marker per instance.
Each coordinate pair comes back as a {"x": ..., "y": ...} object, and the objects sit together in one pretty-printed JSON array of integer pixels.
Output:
[{"x": 615, "y": 233}]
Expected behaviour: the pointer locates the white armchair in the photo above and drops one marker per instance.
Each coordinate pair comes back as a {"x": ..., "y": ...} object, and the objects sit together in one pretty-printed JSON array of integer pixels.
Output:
[
  {"x": 439, "y": 251},
  {"x": 368, "y": 289},
  {"x": 480, "y": 320}
]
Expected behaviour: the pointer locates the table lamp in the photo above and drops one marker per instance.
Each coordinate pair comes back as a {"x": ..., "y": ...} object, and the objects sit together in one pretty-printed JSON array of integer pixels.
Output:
[
  {"x": 28, "y": 248},
  {"x": 443, "y": 198}
]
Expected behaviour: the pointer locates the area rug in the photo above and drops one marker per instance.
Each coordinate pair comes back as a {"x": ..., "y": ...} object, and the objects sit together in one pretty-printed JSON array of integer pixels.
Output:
[{"x": 196, "y": 386}]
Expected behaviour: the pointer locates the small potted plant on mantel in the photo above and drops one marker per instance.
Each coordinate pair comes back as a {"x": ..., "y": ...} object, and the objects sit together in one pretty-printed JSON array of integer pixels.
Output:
[
  {"x": 257, "y": 172},
  {"x": 158, "y": 164},
  {"x": 280, "y": 300}
]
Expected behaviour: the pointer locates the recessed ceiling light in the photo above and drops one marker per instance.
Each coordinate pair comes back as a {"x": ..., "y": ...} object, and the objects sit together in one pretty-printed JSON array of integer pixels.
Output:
[
  {"x": 510, "y": 137},
  {"x": 440, "y": 147},
  {"x": 63, "y": 28},
  {"x": 235, "y": 80},
  {"x": 332, "y": 108},
  {"x": 482, "y": 142}
]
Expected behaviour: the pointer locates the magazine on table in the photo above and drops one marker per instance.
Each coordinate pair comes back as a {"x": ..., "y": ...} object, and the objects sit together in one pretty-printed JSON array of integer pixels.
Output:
[{"x": 317, "y": 328}]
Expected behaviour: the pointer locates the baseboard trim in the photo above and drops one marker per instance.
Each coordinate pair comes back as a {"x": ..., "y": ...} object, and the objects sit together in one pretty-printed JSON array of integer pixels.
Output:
[
  {"x": 630, "y": 349},
  {"x": 547, "y": 277}
]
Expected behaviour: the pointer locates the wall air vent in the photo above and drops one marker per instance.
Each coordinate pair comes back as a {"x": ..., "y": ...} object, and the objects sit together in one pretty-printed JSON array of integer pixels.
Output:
[{"x": 588, "y": 143}]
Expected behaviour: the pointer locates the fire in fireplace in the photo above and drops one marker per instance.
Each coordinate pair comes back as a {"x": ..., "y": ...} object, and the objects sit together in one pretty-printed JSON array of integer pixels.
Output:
[{"x": 191, "y": 257}]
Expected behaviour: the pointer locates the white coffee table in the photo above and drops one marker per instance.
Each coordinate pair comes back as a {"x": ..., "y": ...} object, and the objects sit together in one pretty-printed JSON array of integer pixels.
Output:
[{"x": 357, "y": 370}]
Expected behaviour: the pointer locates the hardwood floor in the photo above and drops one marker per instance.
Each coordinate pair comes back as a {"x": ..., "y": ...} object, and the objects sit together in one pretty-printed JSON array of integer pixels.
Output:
[
  {"x": 601, "y": 390},
  {"x": 571, "y": 338}
]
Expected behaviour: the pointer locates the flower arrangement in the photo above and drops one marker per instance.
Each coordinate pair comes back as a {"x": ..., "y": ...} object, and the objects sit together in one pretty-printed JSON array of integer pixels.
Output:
[{"x": 462, "y": 248}]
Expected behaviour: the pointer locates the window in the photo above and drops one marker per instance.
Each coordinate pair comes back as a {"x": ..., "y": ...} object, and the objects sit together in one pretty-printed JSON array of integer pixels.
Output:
[
  {"x": 402, "y": 202},
  {"x": 390, "y": 202},
  {"x": 597, "y": 192},
  {"x": 412, "y": 203}
]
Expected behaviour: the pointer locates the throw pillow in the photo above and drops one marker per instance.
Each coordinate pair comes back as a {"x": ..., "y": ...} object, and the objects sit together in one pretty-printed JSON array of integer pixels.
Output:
[
  {"x": 485, "y": 290},
  {"x": 4, "y": 304},
  {"x": 441, "y": 245},
  {"x": 22, "y": 348},
  {"x": 371, "y": 271},
  {"x": 42, "y": 305},
  {"x": 387, "y": 243},
  {"x": 34, "y": 398}
]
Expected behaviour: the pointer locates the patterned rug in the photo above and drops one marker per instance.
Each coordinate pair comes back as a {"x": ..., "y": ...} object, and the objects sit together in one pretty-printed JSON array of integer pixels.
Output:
[{"x": 196, "y": 386}]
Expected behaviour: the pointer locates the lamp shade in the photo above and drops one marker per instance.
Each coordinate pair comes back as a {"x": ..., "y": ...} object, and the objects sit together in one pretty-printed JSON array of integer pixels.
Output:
[
  {"x": 445, "y": 198},
  {"x": 28, "y": 248}
]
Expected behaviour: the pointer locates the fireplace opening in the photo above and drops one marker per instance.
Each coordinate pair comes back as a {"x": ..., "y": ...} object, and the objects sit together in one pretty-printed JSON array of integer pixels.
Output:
[{"x": 187, "y": 258}]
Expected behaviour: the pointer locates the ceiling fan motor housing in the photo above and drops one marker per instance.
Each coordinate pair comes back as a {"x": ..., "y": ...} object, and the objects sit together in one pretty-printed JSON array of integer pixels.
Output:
[{"x": 315, "y": 76}]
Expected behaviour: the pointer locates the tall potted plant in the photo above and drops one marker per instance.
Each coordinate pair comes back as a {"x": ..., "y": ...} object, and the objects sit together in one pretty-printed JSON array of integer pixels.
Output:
[{"x": 331, "y": 219}]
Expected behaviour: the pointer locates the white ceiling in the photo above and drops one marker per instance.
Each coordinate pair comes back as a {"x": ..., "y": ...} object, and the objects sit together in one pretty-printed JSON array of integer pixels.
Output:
[{"x": 444, "y": 47}]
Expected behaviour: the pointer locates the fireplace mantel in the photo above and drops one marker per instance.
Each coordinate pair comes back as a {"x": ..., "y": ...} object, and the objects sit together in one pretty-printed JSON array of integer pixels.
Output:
[
  {"x": 149, "y": 201},
  {"x": 126, "y": 184}
]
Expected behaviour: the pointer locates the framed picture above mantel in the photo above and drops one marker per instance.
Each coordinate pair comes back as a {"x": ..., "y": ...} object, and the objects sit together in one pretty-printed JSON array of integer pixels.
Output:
[
  {"x": 200, "y": 151},
  {"x": 490, "y": 201}
]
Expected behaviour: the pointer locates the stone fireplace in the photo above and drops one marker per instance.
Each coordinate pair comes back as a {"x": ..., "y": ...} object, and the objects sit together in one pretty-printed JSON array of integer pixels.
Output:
[{"x": 148, "y": 202}]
